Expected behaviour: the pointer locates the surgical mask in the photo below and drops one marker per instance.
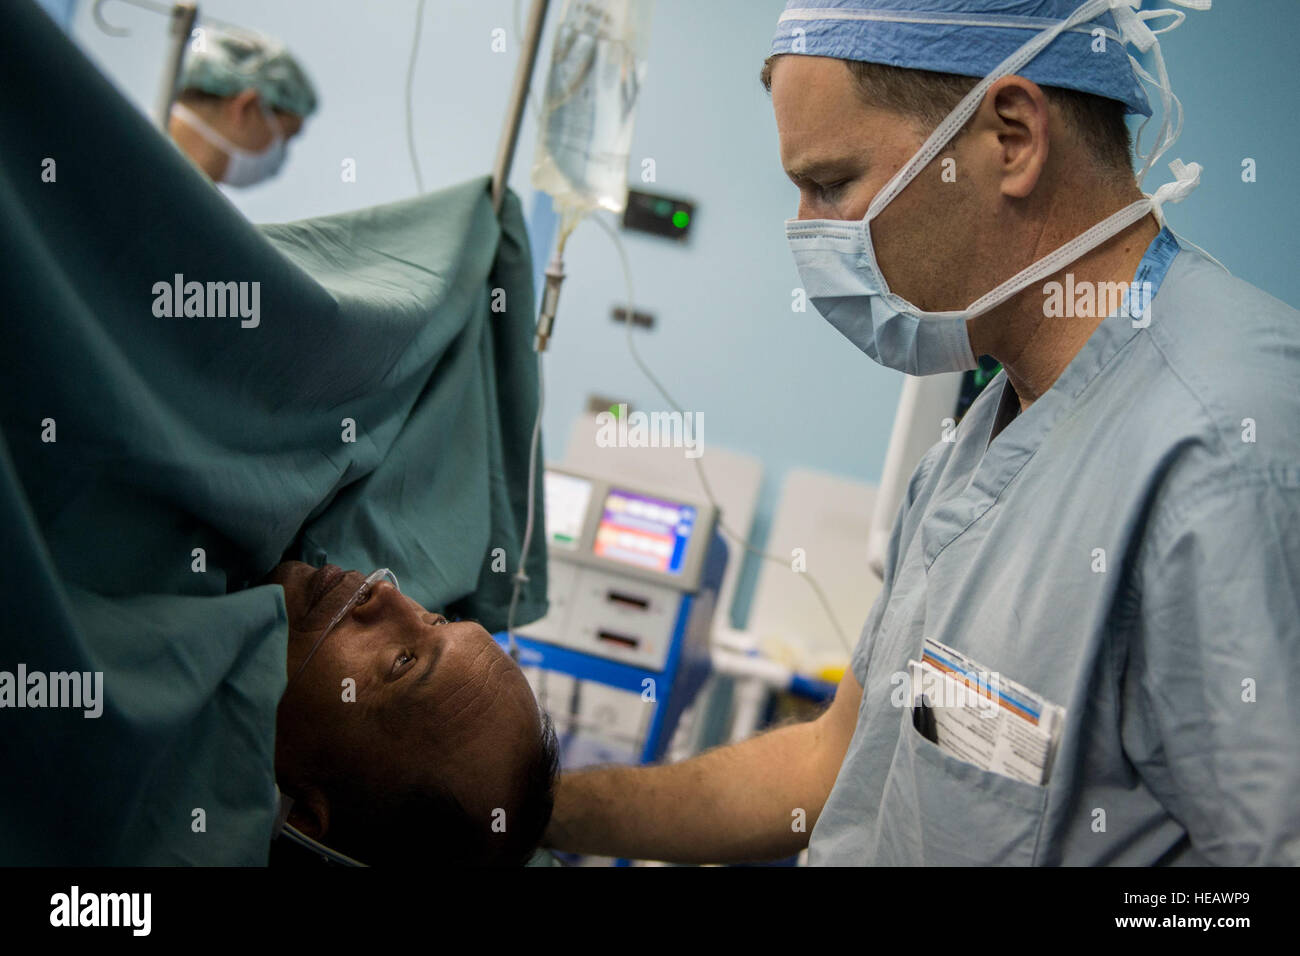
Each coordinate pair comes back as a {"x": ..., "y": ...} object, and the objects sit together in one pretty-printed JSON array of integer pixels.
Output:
[
  {"x": 837, "y": 261},
  {"x": 244, "y": 167}
]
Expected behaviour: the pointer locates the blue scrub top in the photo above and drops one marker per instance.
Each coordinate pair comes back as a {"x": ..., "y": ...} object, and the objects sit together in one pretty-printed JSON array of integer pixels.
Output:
[{"x": 1129, "y": 548}]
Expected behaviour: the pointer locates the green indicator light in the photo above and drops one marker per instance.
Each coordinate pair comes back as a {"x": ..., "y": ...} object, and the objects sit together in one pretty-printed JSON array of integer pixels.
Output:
[{"x": 680, "y": 218}]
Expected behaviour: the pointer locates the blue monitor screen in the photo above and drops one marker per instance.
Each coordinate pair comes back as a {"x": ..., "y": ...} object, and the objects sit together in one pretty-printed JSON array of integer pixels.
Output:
[{"x": 648, "y": 532}]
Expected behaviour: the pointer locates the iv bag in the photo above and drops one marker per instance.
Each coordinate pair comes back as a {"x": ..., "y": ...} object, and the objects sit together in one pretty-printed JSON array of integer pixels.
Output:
[{"x": 597, "y": 67}]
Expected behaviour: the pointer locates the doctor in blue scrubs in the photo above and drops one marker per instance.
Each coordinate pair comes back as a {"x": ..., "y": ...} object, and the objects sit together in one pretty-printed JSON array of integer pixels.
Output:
[{"x": 1114, "y": 533}]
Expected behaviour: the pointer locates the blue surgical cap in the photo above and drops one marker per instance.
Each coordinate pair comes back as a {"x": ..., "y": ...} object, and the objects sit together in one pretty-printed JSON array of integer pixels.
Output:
[{"x": 965, "y": 37}]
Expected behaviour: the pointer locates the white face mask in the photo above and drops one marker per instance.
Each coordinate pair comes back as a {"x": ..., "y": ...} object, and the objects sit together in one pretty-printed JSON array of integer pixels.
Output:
[
  {"x": 244, "y": 167},
  {"x": 837, "y": 262}
]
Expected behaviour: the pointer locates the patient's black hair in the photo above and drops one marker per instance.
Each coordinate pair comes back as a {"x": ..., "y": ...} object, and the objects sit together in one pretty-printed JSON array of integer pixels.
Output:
[{"x": 428, "y": 825}]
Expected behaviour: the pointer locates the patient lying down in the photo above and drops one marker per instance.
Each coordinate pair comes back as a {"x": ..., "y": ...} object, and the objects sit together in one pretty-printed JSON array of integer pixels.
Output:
[{"x": 440, "y": 755}]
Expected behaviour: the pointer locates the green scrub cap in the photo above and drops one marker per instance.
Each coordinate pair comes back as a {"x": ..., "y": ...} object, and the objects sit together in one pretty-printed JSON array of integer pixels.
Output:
[{"x": 229, "y": 62}]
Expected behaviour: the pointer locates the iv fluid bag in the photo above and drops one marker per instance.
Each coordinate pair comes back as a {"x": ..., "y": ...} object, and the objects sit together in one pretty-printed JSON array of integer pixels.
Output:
[{"x": 597, "y": 66}]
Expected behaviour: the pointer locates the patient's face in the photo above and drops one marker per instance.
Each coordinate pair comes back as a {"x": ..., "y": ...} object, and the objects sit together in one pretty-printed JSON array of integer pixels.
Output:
[{"x": 433, "y": 700}]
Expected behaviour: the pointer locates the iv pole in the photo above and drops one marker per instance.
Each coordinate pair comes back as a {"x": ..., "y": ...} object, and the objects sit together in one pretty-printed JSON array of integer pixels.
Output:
[
  {"x": 506, "y": 155},
  {"x": 518, "y": 98},
  {"x": 181, "y": 25},
  {"x": 181, "y": 16}
]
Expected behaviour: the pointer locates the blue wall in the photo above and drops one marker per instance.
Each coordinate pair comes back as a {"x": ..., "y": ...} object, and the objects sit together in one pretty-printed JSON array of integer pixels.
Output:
[
  {"x": 60, "y": 11},
  {"x": 1235, "y": 70},
  {"x": 780, "y": 385}
]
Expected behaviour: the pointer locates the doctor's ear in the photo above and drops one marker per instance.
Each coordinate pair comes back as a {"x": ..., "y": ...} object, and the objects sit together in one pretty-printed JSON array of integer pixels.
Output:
[
  {"x": 1017, "y": 116},
  {"x": 244, "y": 107}
]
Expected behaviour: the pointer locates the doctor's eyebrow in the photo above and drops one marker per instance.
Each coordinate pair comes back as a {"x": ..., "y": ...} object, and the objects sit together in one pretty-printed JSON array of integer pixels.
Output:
[{"x": 811, "y": 171}]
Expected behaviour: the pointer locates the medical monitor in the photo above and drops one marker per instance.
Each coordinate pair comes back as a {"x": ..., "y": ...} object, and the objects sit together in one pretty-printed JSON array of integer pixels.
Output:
[
  {"x": 648, "y": 532},
  {"x": 638, "y": 532},
  {"x": 567, "y": 498}
]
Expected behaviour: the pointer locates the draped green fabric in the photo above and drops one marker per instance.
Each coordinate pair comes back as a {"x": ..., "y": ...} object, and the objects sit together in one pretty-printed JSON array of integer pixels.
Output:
[{"x": 373, "y": 409}]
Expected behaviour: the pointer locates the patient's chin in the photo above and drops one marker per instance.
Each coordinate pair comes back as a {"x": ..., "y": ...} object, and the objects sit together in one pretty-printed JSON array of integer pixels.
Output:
[
  {"x": 293, "y": 577},
  {"x": 288, "y": 573}
]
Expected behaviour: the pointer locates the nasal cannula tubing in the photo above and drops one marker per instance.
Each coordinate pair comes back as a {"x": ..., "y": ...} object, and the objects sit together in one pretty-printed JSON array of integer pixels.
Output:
[{"x": 566, "y": 227}]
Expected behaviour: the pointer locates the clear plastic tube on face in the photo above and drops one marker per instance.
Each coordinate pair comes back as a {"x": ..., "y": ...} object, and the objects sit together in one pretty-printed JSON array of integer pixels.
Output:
[{"x": 362, "y": 593}]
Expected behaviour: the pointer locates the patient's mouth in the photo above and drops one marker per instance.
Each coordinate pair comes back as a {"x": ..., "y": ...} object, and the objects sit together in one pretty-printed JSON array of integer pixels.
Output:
[{"x": 322, "y": 582}]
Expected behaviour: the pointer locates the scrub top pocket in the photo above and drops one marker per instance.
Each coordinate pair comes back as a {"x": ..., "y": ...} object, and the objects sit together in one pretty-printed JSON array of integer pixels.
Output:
[{"x": 938, "y": 810}]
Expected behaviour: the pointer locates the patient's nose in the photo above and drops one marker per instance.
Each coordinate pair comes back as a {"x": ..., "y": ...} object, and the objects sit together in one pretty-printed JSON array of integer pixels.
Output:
[
  {"x": 395, "y": 612},
  {"x": 388, "y": 605}
]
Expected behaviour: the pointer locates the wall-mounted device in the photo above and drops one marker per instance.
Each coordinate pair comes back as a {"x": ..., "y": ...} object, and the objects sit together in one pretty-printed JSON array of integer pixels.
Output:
[{"x": 658, "y": 215}]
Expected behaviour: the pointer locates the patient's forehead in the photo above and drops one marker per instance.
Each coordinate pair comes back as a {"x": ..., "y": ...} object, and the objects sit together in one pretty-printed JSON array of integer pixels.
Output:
[{"x": 474, "y": 720}]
